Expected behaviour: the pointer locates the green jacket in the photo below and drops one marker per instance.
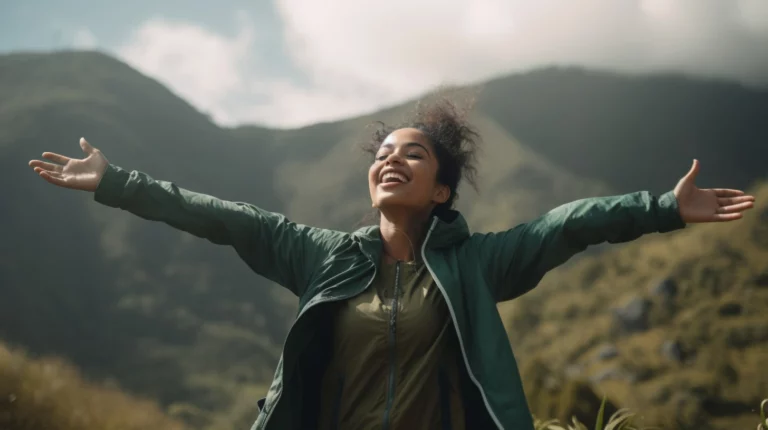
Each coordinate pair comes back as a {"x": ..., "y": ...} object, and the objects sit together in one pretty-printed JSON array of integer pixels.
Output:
[{"x": 473, "y": 271}]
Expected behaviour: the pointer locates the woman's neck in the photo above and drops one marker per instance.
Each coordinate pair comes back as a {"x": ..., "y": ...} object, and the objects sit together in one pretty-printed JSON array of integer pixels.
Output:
[{"x": 402, "y": 234}]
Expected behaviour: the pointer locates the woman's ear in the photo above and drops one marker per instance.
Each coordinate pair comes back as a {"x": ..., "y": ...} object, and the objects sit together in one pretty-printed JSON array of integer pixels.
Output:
[{"x": 442, "y": 194}]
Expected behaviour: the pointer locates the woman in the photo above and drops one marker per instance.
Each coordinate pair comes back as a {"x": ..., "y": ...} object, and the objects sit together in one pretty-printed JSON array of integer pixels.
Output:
[{"x": 398, "y": 326}]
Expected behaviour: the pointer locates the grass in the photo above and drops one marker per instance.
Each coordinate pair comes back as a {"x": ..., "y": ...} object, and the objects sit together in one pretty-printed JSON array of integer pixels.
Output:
[
  {"x": 623, "y": 420},
  {"x": 716, "y": 318},
  {"x": 48, "y": 393}
]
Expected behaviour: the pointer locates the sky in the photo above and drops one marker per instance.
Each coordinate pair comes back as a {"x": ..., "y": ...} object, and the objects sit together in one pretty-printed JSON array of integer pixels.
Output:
[{"x": 290, "y": 63}]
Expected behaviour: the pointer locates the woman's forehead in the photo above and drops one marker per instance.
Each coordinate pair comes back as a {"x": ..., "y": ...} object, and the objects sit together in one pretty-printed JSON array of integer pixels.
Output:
[{"x": 406, "y": 135}]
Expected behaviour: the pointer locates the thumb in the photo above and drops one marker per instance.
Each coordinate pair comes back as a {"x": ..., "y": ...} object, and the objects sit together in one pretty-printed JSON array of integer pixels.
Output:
[
  {"x": 691, "y": 175},
  {"x": 86, "y": 147}
]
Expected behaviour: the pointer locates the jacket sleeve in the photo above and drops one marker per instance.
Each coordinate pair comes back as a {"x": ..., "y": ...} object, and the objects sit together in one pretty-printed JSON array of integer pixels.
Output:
[
  {"x": 271, "y": 245},
  {"x": 516, "y": 260}
]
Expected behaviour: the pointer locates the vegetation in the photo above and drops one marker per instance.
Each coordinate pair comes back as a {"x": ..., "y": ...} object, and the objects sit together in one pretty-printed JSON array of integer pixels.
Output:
[
  {"x": 183, "y": 322},
  {"x": 48, "y": 393},
  {"x": 688, "y": 357}
]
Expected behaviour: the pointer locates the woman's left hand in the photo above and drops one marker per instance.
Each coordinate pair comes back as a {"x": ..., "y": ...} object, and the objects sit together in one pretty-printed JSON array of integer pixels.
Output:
[{"x": 709, "y": 205}]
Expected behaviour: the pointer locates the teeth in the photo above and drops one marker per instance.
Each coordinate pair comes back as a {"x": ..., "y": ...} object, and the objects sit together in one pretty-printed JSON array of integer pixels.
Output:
[{"x": 394, "y": 175}]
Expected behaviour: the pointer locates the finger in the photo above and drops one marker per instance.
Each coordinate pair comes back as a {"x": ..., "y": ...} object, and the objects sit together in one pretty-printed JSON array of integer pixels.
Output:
[
  {"x": 734, "y": 208},
  {"x": 727, "y": 217},
  {"x": 40, "y": 170},
  {"x": 45, "y": 166},
  {"x": 725, "y": 192},
  {"x": 53, "y": 178},
  {"x": 86, "y": 147},
  {"x": 727, "y": 201},
  {"x": 56, "y": 158}
]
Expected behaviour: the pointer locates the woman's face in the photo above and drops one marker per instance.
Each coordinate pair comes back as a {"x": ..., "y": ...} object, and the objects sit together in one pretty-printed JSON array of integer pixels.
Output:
[{"x": 404, "y": 173}]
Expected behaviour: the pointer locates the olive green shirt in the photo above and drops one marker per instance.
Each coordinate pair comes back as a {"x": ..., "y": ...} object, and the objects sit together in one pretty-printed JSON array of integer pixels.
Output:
[{"x": 395, "y": 366}]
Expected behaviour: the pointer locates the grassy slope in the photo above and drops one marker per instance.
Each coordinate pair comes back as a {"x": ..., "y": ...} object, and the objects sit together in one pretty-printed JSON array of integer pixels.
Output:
[
  {"x": 48, "y": 393},
  {"x": 117, "y": 295},
  {"x": 567, "y": 320}
]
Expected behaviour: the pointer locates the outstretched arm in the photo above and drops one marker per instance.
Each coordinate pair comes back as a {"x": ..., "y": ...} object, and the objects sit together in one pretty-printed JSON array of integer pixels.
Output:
[
  {"x": 273, "y": 246},
  {"x": 517, "y": 259}
]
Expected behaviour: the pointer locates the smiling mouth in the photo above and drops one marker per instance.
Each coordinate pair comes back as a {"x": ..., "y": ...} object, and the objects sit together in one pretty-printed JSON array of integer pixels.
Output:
[{"x": 393, "y": 178}]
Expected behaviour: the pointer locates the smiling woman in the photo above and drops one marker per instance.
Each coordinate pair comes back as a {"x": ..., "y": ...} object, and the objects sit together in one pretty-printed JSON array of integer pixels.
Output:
[{"x": 398, "y": 326}]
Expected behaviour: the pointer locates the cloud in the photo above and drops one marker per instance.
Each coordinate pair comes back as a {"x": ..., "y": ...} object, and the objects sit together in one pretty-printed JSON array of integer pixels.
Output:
[
  {"x": 83, "y": 38},
  {"x": 354, "y": 56},
  {"x": 205, "y": 68},
  {"x": 405, "y": 46}
]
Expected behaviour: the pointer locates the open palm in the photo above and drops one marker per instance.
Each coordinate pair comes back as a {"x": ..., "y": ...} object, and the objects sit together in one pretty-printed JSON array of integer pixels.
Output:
[
  {"x": 699, "y": 205},
  {"x": 78, "y": 174}
]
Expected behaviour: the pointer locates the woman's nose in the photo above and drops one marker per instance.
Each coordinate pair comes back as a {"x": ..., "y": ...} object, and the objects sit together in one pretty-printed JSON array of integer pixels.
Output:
[{"x": 394, "y": 158}]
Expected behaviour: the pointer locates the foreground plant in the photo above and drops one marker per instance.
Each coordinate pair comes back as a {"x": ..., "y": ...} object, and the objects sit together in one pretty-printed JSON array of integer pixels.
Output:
[
  {"x": 763, "y": 415},
  {"x": 621, "y": 420}
]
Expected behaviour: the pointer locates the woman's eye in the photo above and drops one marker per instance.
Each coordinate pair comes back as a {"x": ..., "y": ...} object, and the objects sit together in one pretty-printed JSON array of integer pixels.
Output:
[
  {"x": 381, "y": 157},
  {"x": 415, "y": 155}
]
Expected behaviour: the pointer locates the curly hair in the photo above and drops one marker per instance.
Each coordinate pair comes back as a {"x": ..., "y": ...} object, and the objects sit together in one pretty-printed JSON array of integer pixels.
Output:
[{"x": 454, "y": 139}]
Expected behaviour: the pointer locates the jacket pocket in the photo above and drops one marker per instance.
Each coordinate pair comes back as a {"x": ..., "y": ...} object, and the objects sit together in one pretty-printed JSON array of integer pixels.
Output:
[
  {"x": 444, "y": 387},
  {"x": 337, "y": 404}
]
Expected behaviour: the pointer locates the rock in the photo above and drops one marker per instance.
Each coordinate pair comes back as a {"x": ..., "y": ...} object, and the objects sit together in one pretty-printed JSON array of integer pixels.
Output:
[
  {"x": 667, "y": 289},
  {"x": 607, "y": 352},
  {"x": 633, "y": 317},
  {"x": 661, "y": 395},
  {"x": 747, "y": 334},
  {"x": 574, "y": 371},
  {"x": 638, "y": 374},
  {"x": 761, "y": 280},
  {"x": 606, "y": 374},
  {"x": 727, "y": 373},
  {"x": 673, "y": 350},
  {"x": 730, "y": 309},
  {"x": 689, "y": 410}
]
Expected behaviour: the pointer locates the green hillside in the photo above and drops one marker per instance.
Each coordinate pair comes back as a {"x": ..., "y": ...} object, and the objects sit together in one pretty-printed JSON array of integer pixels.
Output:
[
  {"x": 634, "y": 132},
  {"x": 694, "y": 357},
  {"x": 44, "y": 393},
  {"x": 119, "y": 296},
  {"x": 180, "y": 321}
]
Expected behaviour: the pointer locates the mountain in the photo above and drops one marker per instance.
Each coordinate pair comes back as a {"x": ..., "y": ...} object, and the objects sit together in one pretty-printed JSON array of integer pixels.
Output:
[
  {"x": 119, "y": 296},
  {"x": 180, "y": 321}
]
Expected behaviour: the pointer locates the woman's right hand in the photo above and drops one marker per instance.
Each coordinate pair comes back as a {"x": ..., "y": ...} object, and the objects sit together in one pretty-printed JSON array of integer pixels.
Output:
[{"x": 72, "y": 173}]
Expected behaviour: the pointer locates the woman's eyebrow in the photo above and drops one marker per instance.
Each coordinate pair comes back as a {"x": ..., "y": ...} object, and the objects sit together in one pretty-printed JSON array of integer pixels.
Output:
[{"x": 407, "y": 145}]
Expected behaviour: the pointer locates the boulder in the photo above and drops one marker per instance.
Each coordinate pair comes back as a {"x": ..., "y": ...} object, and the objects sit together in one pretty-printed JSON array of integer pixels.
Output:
[
  {"x": 672, "y": 350},
  {"x": 607, "y": 352},
  {"x": 633, "y": 317},
  {"x": 607, "y": 374},
  {"x": 730, "y": 309},
  {"x": 666, "y": 289}
]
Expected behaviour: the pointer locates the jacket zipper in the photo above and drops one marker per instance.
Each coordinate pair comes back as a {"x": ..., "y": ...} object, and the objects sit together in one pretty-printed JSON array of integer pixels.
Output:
[
  {"x": 392, "y": 351},
  {"x": 456, "y": 326},
  {"x": 303, "y": 311}
]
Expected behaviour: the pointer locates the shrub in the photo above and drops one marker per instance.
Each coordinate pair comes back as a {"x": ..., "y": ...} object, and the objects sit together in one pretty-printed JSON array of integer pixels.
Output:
[{"x": 48, "y": 393}]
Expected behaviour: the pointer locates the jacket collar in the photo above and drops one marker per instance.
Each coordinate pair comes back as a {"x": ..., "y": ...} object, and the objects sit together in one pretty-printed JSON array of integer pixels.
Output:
[{"x": 449, "y": 229}]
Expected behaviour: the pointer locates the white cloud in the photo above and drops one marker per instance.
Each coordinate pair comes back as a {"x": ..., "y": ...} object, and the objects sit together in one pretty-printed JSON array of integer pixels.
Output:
[
  {"x": 203, "y": 67},
  {"x": 84, "y": 39},
  {"x": 400, "y": 47},
  {"x": 359, "y": 55}
]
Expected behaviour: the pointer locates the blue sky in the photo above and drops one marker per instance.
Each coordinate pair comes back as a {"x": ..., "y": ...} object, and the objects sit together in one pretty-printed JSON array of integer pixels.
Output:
[{"x": 289, "y": 63}]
